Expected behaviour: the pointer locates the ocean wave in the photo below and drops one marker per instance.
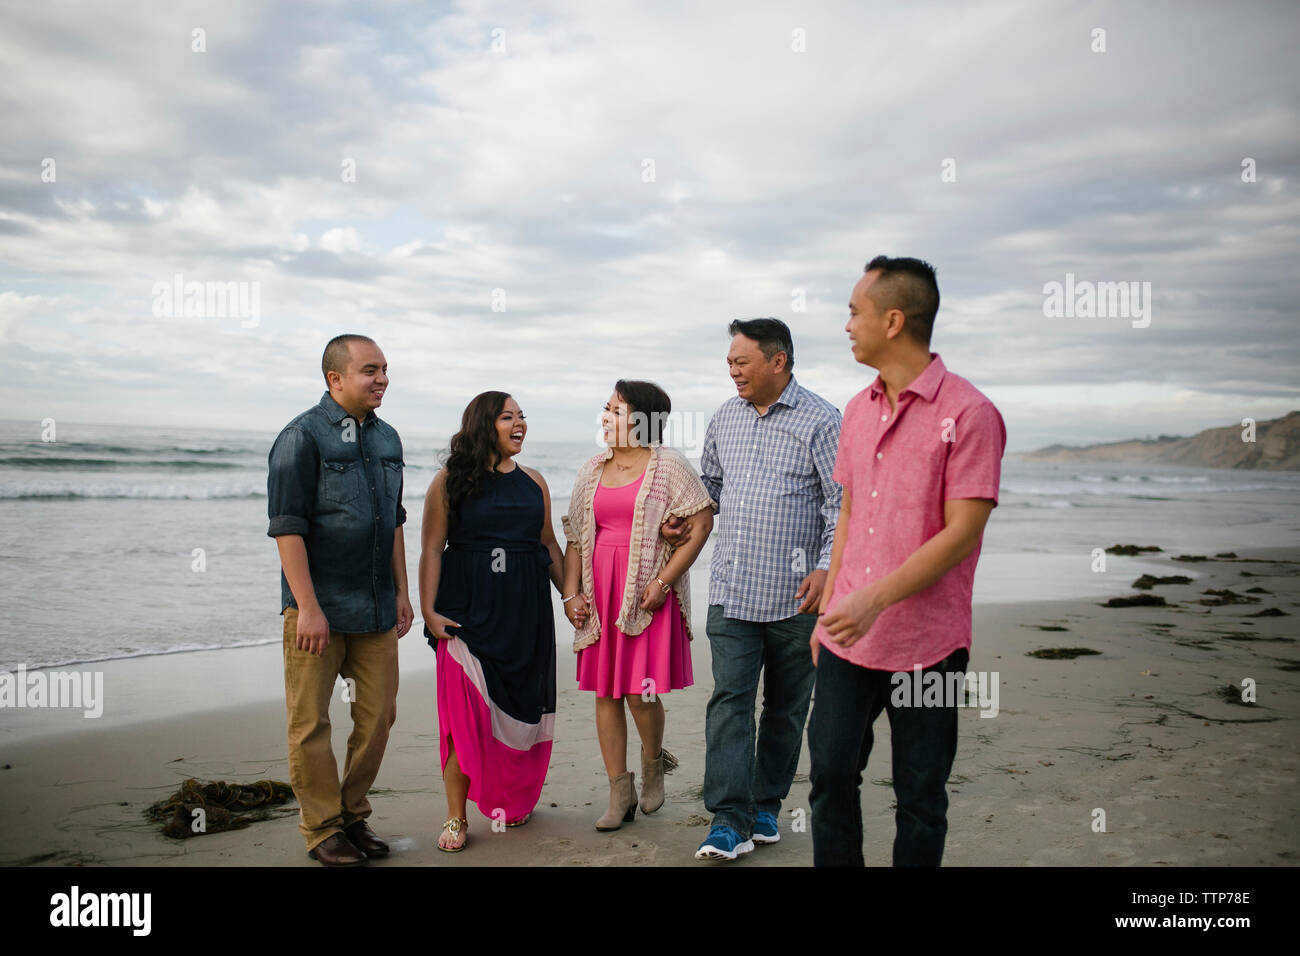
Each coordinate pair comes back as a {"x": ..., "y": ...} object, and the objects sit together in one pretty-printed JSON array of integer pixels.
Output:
[
  {"x": 114, "y": 464},
  {"x": 128, "y": 655},
  {"x": 171, "y": 493}
]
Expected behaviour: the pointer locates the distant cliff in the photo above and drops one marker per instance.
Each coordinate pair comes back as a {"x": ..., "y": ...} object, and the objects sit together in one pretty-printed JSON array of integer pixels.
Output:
[{"x": 1276, "y": 448}]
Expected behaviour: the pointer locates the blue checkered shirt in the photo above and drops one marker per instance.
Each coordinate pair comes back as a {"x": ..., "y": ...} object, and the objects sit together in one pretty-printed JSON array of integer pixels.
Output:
[{"x": 771, "y": 477}]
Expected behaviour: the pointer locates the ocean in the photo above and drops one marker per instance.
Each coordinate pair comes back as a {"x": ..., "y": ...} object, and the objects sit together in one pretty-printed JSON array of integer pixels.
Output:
[{"x": 122, "y": 541}]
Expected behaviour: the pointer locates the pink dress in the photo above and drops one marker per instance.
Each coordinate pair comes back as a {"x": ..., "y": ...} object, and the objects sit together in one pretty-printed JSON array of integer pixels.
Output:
[{"x": 659, "y": 658}]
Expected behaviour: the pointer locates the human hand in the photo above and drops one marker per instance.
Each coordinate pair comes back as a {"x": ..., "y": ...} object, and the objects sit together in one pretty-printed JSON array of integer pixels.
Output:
[
  {"x": 577, "y": 611},
  {"x": 653, "y": 597},
  {"x": 438, "y": 624},
  {"x": 810, "y": 589},
  {"x": 852, "y": 616},
  {"x": 405, "y": 615},
  {"x": 676, "y": 531},
  {"x": 313, "y": 631}
]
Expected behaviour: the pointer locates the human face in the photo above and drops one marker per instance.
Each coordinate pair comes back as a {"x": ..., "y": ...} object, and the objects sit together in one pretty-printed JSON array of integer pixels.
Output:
[
  {"x": 756, "y": 377},
  {"x": 360, "y": 389},
  {"x": 511, "y": 429},
  {"x": 867, "y": 327},
  {"x": 616, "y": 424}
]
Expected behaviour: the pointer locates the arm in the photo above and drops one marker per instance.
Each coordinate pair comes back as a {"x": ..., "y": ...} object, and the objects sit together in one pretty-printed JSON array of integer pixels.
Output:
[
  {"x": 549, "y": 542},
  {"x": 710, "y": 466},
  {"x": 837, "y": 554},
  {"x": 290, "y": 500},
  {"x": 313, "y": 628},
  {"x": 575, "y": 609},
  {"x": 676, "y": 530},
  {"x": 964, "y": 520},
  {"x": 825, "y": 445},
  {"x": 701, "y": 523},
  {"x": 433, "y": 538},
  {"x": 404, "y": 613},
  {"x": 825, "y": 448}
]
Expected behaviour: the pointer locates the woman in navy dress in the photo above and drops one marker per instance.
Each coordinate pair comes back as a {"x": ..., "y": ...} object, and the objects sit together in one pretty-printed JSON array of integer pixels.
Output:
[{"x": 487, "y": 609}]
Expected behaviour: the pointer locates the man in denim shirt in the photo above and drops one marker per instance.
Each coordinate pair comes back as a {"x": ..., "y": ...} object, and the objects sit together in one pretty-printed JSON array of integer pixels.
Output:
[{"x": 334, "y": 494}]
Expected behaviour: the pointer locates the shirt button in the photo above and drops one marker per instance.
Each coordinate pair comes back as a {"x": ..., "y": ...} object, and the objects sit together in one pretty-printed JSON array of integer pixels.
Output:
[
  {"x": 868, "y": 570},
  {"x": 879, "y": 455},
  {"x": 884, "y": 418},
  {"x": 871, "y": 531},
  {"x": 873, "y": 494}
]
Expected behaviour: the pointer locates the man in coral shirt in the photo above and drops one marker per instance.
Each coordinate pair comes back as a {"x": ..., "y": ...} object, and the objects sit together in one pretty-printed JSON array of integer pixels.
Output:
[{"x": 919, "y": 458}]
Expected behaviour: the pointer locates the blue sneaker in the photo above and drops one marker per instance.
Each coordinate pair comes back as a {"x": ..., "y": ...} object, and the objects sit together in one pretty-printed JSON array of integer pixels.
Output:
[
  {"x": 723, "y": 843},
  {"x": 766, "y": 829}
]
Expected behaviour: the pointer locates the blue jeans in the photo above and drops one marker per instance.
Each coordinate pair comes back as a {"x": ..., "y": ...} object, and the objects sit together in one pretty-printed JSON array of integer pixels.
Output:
[
  {"x": 744, "y": 774},
  {"x": 848, "y": 699}
]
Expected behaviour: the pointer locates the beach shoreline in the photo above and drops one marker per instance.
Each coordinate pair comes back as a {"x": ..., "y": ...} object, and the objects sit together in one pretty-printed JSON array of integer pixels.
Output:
[{"x": 1143, "y": 731}]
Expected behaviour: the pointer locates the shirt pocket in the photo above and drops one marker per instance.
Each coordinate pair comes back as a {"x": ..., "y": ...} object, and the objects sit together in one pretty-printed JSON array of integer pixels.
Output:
[
  {"x": 341, "y": 481},
  {"x": 393, "y": 478}
]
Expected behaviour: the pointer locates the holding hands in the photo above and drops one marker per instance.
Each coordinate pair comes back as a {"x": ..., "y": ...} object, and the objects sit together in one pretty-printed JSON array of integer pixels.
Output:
[{"x": 577, "y": 610}]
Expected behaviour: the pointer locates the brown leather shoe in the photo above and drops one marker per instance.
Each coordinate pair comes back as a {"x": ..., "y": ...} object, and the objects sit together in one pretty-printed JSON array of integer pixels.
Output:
[
  {"x": 337, "y": 850},
  {"x": 365, "y": 839}
]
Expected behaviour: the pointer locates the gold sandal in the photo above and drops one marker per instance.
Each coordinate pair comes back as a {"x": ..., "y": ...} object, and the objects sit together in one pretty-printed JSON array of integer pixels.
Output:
[
  {"x": 520, "y": 822},
  {"x": 454, "y": 826}
]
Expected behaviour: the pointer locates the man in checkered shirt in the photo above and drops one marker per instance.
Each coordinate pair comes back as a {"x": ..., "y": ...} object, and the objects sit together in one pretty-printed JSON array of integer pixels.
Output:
[{"x": 768, "y": 457}]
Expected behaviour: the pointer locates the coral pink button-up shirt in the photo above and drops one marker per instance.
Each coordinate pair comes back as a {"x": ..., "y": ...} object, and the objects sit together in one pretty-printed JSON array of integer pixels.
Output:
[{"x": 945, "y": 440}]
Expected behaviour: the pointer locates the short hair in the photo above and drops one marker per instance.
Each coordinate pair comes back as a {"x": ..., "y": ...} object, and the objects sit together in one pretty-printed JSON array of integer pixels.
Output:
[
  {"x": 338, "y": 353},
  {"x": 908, "y": 285},
  {"x": 650, "y": 404},
  {"x": 772, "y": 336}
]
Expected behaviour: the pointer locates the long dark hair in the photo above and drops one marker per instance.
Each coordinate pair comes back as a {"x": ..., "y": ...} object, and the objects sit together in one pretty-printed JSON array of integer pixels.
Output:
[{"x": 473, "y": 452}]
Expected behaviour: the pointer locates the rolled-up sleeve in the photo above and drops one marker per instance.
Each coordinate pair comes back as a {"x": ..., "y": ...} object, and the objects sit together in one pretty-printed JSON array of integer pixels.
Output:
[{"x": 291, "y": 483}]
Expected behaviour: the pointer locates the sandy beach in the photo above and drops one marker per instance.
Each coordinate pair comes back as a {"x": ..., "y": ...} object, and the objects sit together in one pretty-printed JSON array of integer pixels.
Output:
[{"x": 1144, "y": 730}]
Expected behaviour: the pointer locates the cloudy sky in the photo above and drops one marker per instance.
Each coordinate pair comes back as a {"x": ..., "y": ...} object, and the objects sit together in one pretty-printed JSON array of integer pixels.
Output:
[{"x": 545, "y": 197}]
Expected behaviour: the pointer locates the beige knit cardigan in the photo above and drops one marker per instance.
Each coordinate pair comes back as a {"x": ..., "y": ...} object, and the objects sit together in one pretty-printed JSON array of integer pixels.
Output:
[{"x": 670, "y": 487}]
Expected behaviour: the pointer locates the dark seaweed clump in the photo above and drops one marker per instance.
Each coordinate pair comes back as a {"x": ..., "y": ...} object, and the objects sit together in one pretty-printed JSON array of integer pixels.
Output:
[
  {"x": 225, "y": 806},
  {"x": 1061, "y": 653},
  {"x": 1137, "y": 600},
  {"x": 1148, "y": 581}
]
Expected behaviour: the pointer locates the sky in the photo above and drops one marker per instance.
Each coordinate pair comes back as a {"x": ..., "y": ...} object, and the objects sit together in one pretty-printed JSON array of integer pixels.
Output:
[{"x": 543, "y": 198}]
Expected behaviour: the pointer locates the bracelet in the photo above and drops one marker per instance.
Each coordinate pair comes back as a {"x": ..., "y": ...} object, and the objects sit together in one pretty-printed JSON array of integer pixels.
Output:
[
  {"x": 569, "y": 598},
  {"x": 662, "y": 585}
]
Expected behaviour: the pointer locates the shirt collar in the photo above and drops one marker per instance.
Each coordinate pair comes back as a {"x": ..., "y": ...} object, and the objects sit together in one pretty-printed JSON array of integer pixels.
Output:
[
  {"x": 926, "y": 385},
  {"x": 789, "y": 396},
  {"x": 336, "y": 412}
]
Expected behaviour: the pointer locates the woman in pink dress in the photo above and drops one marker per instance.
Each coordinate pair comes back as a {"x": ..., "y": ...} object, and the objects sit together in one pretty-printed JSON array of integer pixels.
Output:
[{"x": 627, "y": 592}]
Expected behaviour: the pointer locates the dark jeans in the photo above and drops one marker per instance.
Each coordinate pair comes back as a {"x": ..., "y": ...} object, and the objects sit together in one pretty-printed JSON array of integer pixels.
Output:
[
  {"x": 743, "y": 772},
  {"x": 848, "y": 699}
]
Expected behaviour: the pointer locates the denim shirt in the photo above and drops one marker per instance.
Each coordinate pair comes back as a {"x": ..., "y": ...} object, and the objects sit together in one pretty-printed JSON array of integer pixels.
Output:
[{"x": 339, "y": 485}]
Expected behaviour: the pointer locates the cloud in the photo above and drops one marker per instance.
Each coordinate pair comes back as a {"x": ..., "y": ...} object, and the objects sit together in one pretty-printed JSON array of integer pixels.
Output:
[{"x": 632, "y": 177}]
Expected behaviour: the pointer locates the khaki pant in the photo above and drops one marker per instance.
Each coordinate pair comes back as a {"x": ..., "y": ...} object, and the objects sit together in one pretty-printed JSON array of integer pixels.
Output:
[{"x": 368, "y": 660}]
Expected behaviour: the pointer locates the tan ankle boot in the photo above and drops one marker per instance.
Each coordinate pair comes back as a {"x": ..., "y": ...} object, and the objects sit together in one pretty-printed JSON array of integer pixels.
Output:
[
  {"x": 652, "y": 782},
  {"x": 622, "y": 802}
]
